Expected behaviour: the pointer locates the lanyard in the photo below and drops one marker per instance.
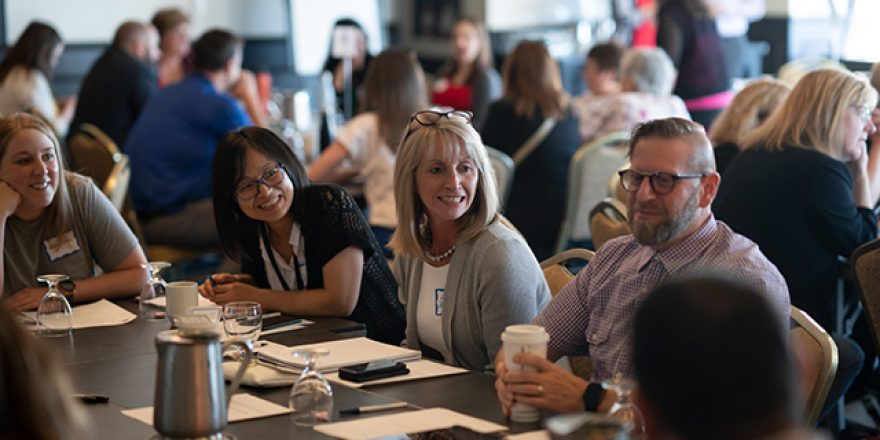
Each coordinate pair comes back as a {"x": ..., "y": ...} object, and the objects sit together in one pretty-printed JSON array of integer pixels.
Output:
[{"x": 300, "y": 285}]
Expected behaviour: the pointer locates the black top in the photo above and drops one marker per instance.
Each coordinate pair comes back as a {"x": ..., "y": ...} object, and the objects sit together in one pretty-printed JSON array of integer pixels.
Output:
[
  {"x": 724, "y": 154},
  {"x": 113, "y": 94},
  {"x": 331, "y": 221},
  {"x": 694, "y": 46},
  {"x": 797, "y": 204},
  {"x": 537, "y": 197}
]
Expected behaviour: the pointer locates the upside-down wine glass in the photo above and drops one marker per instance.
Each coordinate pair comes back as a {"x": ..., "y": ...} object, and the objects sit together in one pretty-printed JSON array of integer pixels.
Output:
[
  {"x": 623, "y": 409},
  {"x": 54, "y": 315},
  {"x": 243, "y": 321},
  {"x": 155, "y": 288},
  {"x": 311, "y": 397}
]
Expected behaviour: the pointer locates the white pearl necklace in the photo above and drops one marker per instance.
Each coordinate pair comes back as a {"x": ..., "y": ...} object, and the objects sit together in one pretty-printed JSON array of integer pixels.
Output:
[{"x": 443, "y": 256}]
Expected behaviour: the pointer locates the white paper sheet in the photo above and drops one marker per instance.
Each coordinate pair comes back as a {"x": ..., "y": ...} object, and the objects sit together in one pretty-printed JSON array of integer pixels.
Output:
[
  {"x": 407, "y": 422},
  {"x": 420, "y": 369},
  {"x": 531, "y": 435},
  {"x": 345, "y": 352},
  {"x": 243, "y": 407},
  {"x": 101, "y": 313},
  {"x": 159, "y": 301}
]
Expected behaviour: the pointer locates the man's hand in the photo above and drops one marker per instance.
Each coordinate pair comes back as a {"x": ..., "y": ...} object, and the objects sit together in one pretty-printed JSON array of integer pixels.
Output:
[
  {"x": 550, "y": 387},
  {"x": 26, "y": 299}
]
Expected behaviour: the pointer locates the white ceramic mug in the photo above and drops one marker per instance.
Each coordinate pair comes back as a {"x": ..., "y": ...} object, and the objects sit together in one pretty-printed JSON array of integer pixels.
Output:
[
  {"x": 179, "y": 297},
  {"x": 523, "y": 338}
]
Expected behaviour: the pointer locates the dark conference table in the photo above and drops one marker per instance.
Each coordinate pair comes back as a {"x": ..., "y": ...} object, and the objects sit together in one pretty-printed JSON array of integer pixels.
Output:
[{"x": 120, "y": 362}]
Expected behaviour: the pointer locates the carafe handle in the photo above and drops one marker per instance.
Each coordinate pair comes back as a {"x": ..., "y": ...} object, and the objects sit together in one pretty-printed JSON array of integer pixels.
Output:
[{"x": 248, "y": 353}]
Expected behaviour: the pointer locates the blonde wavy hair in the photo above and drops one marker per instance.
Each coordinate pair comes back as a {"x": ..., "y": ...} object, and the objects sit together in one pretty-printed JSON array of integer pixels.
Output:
[
  {"x": 812, "y": 115},
  {"x": 749, "y": 108},
  {"x": 412, "y": 236}
]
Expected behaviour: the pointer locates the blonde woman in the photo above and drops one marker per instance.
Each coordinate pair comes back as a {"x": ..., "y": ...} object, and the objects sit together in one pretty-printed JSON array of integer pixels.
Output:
[
  {"x": 457, "y": 259},
  {"x": 393, "y": 89},
  {"x": 749, "y": 108},
  {"x": 800, "y": 187},
  {"x": 57, "y": 221}
]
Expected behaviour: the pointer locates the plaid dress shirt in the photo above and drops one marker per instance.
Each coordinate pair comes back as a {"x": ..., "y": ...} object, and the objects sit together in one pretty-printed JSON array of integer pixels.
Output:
[{"x": 593, "y": 314}]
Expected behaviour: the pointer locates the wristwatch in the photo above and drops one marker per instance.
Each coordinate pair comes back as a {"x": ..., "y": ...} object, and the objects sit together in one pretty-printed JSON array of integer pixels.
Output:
[
  {"x": 593, "y": 396},
  {"x": 68, "y": 289}
]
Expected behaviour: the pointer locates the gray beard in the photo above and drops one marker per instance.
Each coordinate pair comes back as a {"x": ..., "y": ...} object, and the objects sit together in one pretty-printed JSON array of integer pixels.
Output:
[{"x": 648, "y": 234}]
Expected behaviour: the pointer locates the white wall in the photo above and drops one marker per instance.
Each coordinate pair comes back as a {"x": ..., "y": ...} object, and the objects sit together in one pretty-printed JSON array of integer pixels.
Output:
[{"x": 94, "y": 21}]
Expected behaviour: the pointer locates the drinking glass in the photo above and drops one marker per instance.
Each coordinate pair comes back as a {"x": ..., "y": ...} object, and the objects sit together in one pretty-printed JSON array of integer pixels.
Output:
[
  {"x": 311, "y": 397},
  {"x": 54, "y": 315},
  {"x": 155, "y": 288},
  {"x": 623, "y": 409},
  {"x": 243, "y": 321}
]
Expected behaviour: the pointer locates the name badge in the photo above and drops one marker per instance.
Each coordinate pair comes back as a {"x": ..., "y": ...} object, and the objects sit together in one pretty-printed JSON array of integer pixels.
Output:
[
  {"x": 61, "y": 246},
  {"x": 438, "y": 301}
]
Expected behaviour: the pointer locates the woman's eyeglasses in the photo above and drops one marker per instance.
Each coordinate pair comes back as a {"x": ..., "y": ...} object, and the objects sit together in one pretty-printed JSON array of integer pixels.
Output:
[
  {"x": 247, "y": 189},
  {"x": 433, "y": 117}
]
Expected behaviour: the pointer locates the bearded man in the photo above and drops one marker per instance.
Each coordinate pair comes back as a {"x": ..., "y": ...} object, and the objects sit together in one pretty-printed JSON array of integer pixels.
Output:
[{"x": 671, "y": 183}]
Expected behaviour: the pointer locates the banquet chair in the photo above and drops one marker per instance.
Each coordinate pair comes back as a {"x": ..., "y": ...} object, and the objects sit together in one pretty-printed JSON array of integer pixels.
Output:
[
  {"x": 607, "y": 221},
  {"x": 589, "y": 170},
  {"x": 94, "y": 153},
  {"x": 503, "y": 166},
  {"x": 116, "y": 185},
  {"x": 815, "y": 355},
  {"x": 557, "y": 276},
  {"x": 866, "y": 267}
]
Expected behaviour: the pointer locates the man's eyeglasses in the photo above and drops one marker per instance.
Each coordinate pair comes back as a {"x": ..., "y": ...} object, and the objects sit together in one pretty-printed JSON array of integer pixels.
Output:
[
  {"x": 433, "y": 117},
  {"x": 661, "y": 183},
  {"x": 247, "y": 189}
]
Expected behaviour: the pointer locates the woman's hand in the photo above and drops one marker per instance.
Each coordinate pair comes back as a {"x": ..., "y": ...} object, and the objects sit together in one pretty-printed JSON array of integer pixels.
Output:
[
  {"x": 225, "y": 287},
  {"x": 9, "y": 200},
  {"x": 26, "y": 299}
]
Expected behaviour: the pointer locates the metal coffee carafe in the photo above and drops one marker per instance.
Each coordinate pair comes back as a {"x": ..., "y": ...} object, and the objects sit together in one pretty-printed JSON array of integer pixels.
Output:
[{"x": 190, "y": 400}]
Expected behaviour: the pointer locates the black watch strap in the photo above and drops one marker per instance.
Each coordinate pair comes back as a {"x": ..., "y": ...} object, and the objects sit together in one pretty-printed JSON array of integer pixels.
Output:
[{"x": 593, "y": 396}]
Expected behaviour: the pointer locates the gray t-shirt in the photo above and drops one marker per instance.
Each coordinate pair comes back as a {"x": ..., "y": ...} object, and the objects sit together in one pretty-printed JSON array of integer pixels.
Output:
[{"x": 98, "y": 236}]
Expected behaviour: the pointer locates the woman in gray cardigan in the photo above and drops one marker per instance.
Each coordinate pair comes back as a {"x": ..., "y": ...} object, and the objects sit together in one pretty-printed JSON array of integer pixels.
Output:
[{"x": 457, "y": 257}]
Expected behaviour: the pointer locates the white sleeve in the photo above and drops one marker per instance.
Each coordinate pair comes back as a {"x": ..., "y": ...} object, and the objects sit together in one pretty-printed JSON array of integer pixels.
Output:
[{"x": 356, "y": 134}]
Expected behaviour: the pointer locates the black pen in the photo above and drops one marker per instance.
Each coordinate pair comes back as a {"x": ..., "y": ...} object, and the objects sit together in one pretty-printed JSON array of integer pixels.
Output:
[
  {"x": 211, "y": 280},
  {"x": 373, "y": 408},
  {"x": 91, "y": 398},
  {"x": 281, "y": 324}
]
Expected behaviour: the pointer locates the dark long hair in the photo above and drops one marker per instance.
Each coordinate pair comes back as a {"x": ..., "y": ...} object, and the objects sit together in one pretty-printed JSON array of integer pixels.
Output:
[
  {"x": 233, "y": 226},
  {"x": 32, "y": 50}
]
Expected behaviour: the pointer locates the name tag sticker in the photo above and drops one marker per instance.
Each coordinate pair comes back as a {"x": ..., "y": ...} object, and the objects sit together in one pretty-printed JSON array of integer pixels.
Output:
[{"x": 61, "y": 246}]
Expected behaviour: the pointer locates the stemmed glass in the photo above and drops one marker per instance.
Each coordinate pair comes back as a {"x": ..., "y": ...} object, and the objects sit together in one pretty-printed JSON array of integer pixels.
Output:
[
  {"x": 311, "y": 397},
  {"x": 54, "y": 315},
  {"x": 154, "y": 288},
  {"x": 243, "y": 321},
  {"x": 623, "y": 409}
]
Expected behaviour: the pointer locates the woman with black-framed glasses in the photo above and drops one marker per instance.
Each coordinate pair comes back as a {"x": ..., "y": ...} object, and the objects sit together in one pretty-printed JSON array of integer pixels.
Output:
[
  {"x": 304, "y": 249},
  {"x": 458, "y": 260}
]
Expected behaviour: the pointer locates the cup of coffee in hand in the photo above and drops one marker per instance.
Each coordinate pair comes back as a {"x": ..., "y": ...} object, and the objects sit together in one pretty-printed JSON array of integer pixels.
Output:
[{"x": 523, "y": 338}]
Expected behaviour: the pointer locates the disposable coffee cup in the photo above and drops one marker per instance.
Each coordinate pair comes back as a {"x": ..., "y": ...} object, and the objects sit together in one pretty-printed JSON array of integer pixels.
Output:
[
  {"x": 523, "y": 338},
  {"x": 179, "y": 297}
]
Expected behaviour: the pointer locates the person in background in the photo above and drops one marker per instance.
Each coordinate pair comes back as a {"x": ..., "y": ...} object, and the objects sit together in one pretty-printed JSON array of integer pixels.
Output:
[
  {"x": 670, "y": 186},
  {"x": 647, "y": 77},
  {"x": 304, "y": 249},
  {"x": 602, "y": 75},
  {"x": 176, "y": 63},
  {"x": 174, "y": 139},
  {"x": 37, "y": 401},
  {"x": 732, "y": 18},
  {"x": 25, "y": 72},
  {"x": 534, "y": 97},
  {"x": 749, "y": 108},
  {"x": 57, "y": 221},
  {"x": 712, "y": 362},
  {"x": 120, "y": 82},
  {"x": 686, "y": 31},
  {"x": 359, "y": 65},
  {"x": 393, "y": 89},
  {"x": 458, "y": 260},
  {"x": 468, "y": 81}
]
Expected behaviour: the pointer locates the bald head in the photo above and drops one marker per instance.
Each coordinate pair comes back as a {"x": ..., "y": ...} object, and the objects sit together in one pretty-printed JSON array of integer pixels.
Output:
[
  {"x": 702, "y": 156},
  {"x": 137, "y": 39}
]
